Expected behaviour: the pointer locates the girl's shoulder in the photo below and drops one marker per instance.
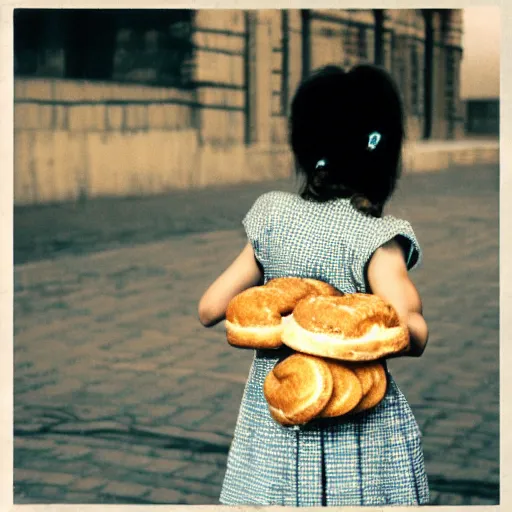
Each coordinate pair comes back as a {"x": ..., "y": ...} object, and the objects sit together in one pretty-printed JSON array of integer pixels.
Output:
[
  {"x": 271, "y": 201},
  {"x": 262, "y": 219},
  {"x": 379, "y": 231},
  {"x": 276, "y": 196},
  {"x": 391, "y": 222}
]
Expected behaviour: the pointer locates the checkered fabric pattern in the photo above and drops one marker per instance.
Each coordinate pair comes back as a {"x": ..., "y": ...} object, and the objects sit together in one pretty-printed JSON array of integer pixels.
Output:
[{"x": 374, "y": 458}]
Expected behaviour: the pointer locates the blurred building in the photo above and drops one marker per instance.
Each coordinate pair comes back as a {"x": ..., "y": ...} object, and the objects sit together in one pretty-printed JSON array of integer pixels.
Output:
[{"x": 215, "y": 85}]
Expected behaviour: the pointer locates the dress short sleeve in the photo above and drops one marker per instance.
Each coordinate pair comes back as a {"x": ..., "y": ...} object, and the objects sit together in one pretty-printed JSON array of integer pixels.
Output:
[
  {"x": 258, "y": 226},
  {"x": 382, "y": 231}
]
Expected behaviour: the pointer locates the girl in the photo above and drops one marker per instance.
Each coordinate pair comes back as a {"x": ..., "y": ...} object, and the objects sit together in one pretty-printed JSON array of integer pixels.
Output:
[{"x": 346, "y": 134}]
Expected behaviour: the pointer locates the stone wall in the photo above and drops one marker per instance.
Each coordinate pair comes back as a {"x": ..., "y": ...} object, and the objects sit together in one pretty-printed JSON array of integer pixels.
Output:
[{"x": 77, "y": 140}]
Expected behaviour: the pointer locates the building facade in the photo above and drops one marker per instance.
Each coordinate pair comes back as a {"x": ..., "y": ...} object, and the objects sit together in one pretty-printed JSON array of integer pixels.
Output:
[
  {"x": 230, "y": 50},
  {"x": 216, "y": 84}
]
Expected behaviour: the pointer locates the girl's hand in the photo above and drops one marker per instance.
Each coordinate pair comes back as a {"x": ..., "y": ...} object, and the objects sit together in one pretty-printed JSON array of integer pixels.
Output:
[
  {"x": 243, "y": 273},
  {"x": 388, "y": 278}
]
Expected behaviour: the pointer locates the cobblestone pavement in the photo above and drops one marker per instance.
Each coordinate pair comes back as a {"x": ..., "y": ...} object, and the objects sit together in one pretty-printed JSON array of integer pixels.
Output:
[{"x": 122, "y": 397}]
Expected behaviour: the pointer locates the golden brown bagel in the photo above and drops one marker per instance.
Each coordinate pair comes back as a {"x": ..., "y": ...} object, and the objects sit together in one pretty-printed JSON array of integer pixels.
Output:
[
  {"x": 377, "y": 390},
  {"x": 355, "y": 327},
  {"x": 364, "y": 373},
  {"x": 347, "y": 391},
  {"x": 298, "y": 388},
  {"x": 292, "y": 290},
  {"x": 295, "y": 288},
  {"x": 255, "y": 318},
  {"x": 322, "y": 288}
]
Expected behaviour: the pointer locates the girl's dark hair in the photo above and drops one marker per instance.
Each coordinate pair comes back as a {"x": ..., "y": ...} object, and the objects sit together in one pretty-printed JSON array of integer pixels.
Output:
[{"x": 333, "y": 114}]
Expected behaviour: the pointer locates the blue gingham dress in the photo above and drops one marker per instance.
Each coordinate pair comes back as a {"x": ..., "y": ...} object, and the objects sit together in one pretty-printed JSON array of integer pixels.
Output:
[{"x": 374, "y": 458}]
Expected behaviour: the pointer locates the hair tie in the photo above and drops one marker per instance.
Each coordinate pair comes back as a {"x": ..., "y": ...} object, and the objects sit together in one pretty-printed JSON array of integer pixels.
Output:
[
  {"x": 321, "y": 163},
  {"x": 373, "y": 140}
]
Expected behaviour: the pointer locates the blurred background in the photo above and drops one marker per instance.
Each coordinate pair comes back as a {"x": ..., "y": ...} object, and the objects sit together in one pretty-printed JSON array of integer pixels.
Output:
[
  {"x": 141, "y": 138},
  {"x": 129, "y": 102}
]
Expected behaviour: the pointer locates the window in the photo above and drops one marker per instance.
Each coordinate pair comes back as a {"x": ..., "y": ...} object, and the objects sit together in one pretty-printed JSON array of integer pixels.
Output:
[
  {"x": 362, "y": 44},
  {"x": 450, "y": 92},
  {"x": 399, "y": 66},
  {"x": 284, "y": 62},
  {"x": 415, "y": 86},
  {"x": 156, "y": 47},
  {"x": 280, "y": 59}
]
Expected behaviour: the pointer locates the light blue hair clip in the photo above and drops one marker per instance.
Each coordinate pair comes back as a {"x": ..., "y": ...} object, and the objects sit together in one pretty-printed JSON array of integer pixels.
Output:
[
  {"x": 373, "y": 140},
  {"x": 321, "y": 163}
]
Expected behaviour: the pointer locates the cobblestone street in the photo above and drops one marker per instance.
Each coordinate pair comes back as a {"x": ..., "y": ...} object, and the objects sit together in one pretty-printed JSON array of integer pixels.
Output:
[{"x": 122, "y": 397}]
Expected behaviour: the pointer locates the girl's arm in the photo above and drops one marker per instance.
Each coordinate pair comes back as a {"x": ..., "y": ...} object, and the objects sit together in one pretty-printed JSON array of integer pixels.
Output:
[
  {"x": 388, "y": 278},
  {"x": 243, "y": 273}
]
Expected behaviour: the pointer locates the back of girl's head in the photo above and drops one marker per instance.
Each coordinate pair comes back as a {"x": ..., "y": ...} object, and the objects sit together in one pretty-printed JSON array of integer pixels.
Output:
[{"x": 333, "y": 116}]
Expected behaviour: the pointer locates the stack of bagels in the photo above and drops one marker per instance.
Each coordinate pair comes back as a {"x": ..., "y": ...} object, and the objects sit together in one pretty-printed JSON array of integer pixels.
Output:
[{"x": 337, "y": 339}]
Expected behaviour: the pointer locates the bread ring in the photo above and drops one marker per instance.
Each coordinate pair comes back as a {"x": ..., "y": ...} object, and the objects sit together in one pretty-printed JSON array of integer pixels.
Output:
[
  {"x": 322, "y": 288},
  {"x": 364, "y": 372},
  {"x": 296, "y": 288},
  {"x": 355, "y": 327},
  {"x": 298, "y": 388},
  {"x": 377, "y": 390},
  {"x": 293, "y": 290},
  {"x": 255, "y": 318},
  {"x": 347, "y": 391}
]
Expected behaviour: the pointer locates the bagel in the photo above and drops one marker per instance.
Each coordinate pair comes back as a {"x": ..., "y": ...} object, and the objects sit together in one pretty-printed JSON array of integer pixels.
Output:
[
  {"x": 376, "y": 391},
  {"x": 301, "y": 286},
  {"x": 365, "y": 375},
  {"x": 255, "y": 318},
  {"x": 354, "y": 327},
  {"x": 322, "y": 288},
  {"x": 347, "y": 391},
  {"x": 298, "y": 389}
]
